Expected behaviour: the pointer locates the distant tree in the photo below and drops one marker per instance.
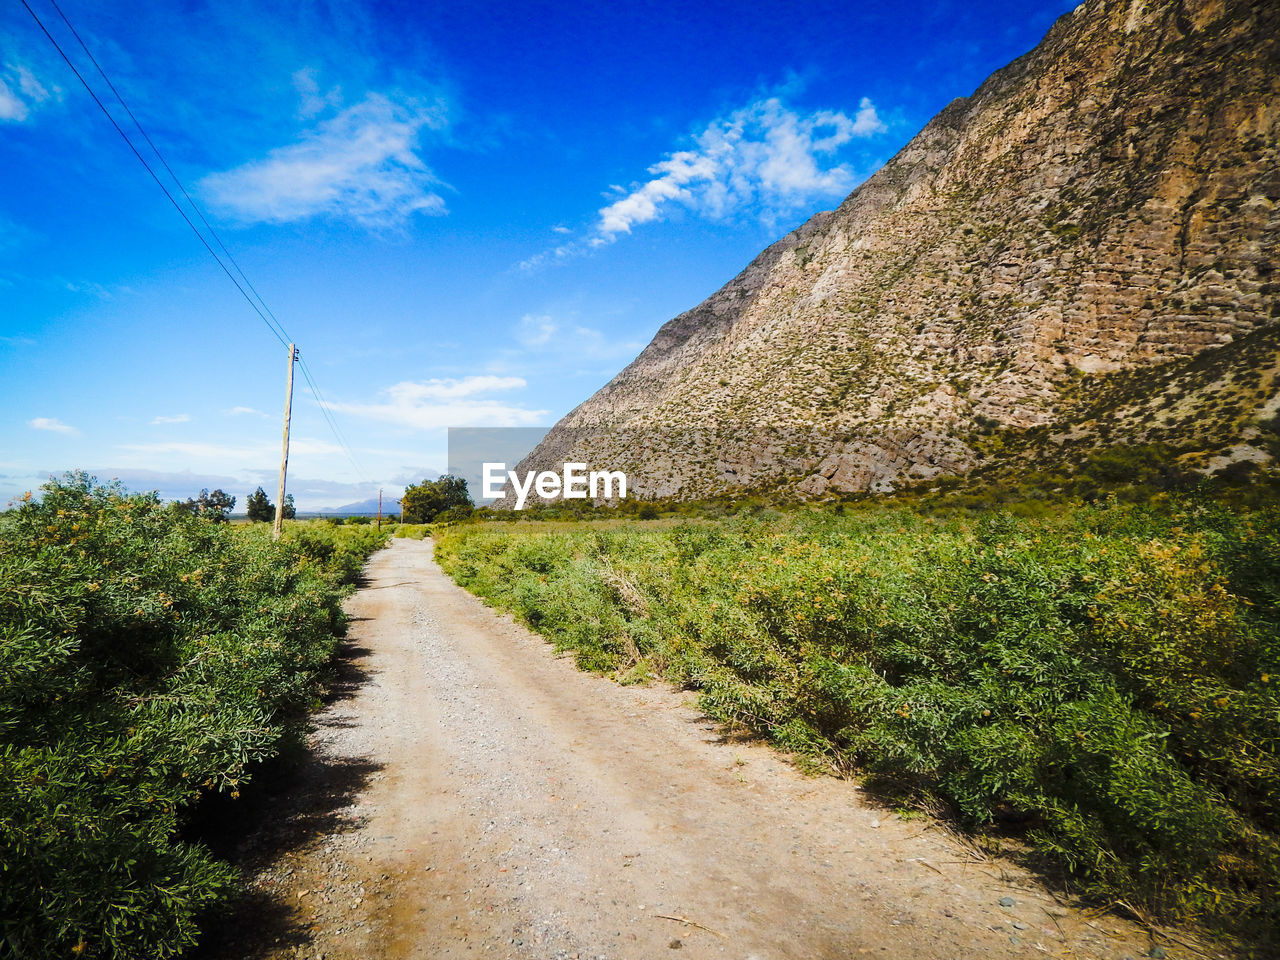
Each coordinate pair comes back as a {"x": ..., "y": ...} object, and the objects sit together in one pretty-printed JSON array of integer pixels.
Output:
[
  {"x": 213, "y": 506},
  {"x": 425, "y": 501},
  {"x": 259, "y": 508},
  {"x": 457, "y": 512}
]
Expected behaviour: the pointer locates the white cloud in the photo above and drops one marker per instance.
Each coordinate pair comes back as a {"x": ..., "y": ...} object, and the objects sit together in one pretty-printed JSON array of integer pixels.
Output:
[
  {"x": 54, "y": 424},
  {"x": 765, "y": 157},
  {"x": 11, "y": 108},
  {"x": 361, "y": 165},
  {"x": 92, "y": 289},
  {"x": 15, "y": 236},
  {"x": 866, "y": 122},
  {"x": 595, "y": 345},
  {"x": 178, "y": 418},
  {"x": 453, "y": 389},
  {"x": 534, "y": 331},
  {"x": 232, "y": 456},
  {"x": 198, "y": 450},
  {"x": 311, "y": 102},
  {"x": 557, "y": 254},
  {"x": 20, "y": 91},
  {"x": 176, "y": 485},
  {"x": 245, "y": 411},
  {"x": 311, "y": 493},
  {"x": 570, "y": 340},
  {"x": 431, "y": 404}
]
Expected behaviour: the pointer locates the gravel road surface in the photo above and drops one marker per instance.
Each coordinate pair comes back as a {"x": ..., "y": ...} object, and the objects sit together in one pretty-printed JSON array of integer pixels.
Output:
[{"x": 472, "y": 794}]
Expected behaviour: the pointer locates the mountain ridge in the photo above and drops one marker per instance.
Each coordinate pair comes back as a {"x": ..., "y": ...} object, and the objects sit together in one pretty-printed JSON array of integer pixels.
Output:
[{"x": 1104, "y": 203}]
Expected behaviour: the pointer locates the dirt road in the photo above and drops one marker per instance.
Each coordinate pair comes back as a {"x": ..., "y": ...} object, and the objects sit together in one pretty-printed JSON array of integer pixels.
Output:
[{"x": 475, "y": 795}]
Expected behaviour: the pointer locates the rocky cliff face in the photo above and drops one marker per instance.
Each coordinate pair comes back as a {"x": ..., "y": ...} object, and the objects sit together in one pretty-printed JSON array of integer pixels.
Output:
[{"x": 1106, "y": 203}]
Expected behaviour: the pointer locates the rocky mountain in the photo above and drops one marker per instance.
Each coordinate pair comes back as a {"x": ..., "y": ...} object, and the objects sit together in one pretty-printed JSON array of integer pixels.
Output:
[{"x": 1083, "y": 251}]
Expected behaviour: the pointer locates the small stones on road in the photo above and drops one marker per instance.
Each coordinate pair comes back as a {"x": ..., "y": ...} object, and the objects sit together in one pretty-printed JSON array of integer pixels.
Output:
[{"x": 502, "y": 817}]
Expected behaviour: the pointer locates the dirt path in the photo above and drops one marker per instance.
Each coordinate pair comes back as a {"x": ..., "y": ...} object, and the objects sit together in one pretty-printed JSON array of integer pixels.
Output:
[{"x": 475, "y": 795}]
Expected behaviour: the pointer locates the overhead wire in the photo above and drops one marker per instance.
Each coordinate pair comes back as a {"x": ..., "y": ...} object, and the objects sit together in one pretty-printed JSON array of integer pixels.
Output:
[
  {"x": 279, "y": 327},
  {"x": 160, "y": 183},
  {"x": 264, "y": 312},
  {"x": 328, "y": 415},
  {"x": 310, "y": 377}
]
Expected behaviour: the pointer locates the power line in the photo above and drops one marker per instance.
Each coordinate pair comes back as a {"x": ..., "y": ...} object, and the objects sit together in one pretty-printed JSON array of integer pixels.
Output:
[
  {"x": 160, "y": 183},
  {"x": 328, "y": 415},
  {"x": 279, "y": 327},
  {"x": 274, "y": 322},
  {"x": 269, "y": 318},
  {"x": 321, "y": 402}
]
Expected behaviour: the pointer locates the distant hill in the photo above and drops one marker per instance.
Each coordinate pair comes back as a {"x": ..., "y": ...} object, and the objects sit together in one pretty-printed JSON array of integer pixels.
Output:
[
  {"x": 1082, "y": 253},
  {"x": 363, "y": 508}
]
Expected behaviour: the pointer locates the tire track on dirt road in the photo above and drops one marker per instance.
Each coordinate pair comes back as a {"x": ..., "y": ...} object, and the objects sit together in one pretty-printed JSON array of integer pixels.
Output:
[{"x": 520, "y": 808}]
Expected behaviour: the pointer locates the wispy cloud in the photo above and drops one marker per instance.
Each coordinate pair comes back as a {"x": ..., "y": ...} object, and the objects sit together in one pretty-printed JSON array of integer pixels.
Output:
[
  {"x": 323, "y": 492},
  {"x": 15, "y": 236},
  {"x": 231, "y": 453},
  {"x": 763, "y": 161},
  {"x": 245, "y": 412},
  {"x": 430, "y": 404},
  {"x": 21, "y": 92},
  {"x": 565, "y": 251},
  {"x": 572, "y": 340},
  {"x": 454, "y": 389},
  {"x": 171, "y": 485},
  {"x": 177, "y": 418},
  {"x": 53, "y": 424},
  {"x": 311, "y": 102},
  {"x": 93, "y": 289},
  {"x": 363, "y": 165},
  {"x": 179, "y": 484},
  {"x": 765, "y": 157},
  {"x": 535, "y": 330}
]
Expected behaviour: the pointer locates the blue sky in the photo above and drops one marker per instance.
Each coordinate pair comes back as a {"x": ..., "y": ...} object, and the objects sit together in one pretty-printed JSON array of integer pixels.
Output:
[{"x": 466, "y": 214}]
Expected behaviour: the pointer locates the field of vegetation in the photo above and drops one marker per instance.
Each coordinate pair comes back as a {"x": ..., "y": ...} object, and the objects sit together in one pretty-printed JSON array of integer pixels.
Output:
[
  {"x": 148, "y": 657},
  {"x": 1102, "y": 682}
]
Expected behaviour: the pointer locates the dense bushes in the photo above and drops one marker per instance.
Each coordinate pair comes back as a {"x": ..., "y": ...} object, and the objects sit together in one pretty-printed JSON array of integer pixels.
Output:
[
  {"x": 146, "y": 656},
  {"x": 413, "y": 531},
  {"x": 1106, "y": 678},
  {"x": 337, "y": 553}
]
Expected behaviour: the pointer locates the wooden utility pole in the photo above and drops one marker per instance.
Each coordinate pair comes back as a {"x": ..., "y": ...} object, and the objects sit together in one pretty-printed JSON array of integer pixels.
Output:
[
  {"x": 284, "y": 446},
  {"x": 379, "y": 509}
]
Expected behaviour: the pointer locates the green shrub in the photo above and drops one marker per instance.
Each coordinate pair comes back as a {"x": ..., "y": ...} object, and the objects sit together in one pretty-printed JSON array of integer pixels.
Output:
[
  {"x": 336, "y": 552},
  {"x": 147, "y": 656},
  {"x": 413, "y": 531},
  {"x": 1108, "y": 676}
]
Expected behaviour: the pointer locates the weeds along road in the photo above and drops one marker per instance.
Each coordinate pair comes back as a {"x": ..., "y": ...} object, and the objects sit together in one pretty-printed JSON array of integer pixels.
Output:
[{"x": 498, "y": 802}]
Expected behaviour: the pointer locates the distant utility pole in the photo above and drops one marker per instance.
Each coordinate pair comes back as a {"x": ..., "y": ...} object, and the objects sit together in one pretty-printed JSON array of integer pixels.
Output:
[
  {"x": 284, "y": 446},
  {"x": 379, "y": 509}
]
